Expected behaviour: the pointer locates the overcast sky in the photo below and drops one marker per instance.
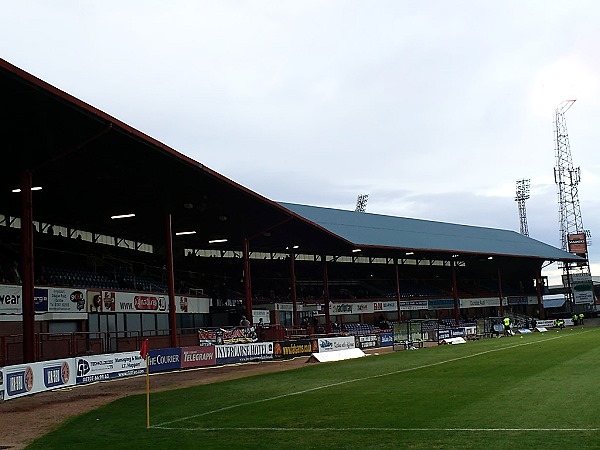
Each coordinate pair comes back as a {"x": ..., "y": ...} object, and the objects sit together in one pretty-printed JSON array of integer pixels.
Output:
[{"x": 433, "y": 108}]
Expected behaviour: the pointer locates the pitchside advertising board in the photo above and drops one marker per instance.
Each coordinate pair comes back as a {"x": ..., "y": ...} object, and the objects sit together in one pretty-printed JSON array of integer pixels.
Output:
[
  {"x": 166, "y": 359},
  {"x": 334, "y": 344},
  {"x": 25, "y": 379},
  {"x": 387, "y": 339},
  {"x": 288, "y": 349},
  {"x": 198, "y": 356},
  {"x": 368, "y": 341},
  {"x": 237, "y": 353},
  {"x": 107, "y": 367}
]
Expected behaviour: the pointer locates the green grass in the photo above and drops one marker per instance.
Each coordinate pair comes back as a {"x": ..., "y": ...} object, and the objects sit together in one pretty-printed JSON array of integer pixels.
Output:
[{"x": 539, "y": 391}]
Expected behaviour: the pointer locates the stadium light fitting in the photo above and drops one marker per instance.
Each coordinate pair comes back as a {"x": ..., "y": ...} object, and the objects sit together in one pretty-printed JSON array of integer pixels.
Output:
[
  {"x": 490, "y": 257},
  {"x": 182, "y": 233},
  {"x": 410, "y": 253},
  {"x": 34, "y": 188},
  {"x": 217, "y": 241},
  {"x": 122, "y": 216},
  {"x": 356, "y": 250}
]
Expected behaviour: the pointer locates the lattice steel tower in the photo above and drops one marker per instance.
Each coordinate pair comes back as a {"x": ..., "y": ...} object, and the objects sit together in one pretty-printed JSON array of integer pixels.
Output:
[
  {"x": 567, "y": 179},
  {"x": 521, "y": 196},
  {"x": 361, "y": 202}
]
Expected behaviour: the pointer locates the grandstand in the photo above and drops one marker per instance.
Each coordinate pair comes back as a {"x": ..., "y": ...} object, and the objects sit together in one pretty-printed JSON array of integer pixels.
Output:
[{"x": 118, "y": 238}]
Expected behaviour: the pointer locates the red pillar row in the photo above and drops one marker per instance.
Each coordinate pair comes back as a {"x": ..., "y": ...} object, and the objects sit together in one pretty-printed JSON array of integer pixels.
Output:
[
  {"x": 455, "y": 295},
  {"x": 500, "y": 292},
  {"x": 326, "y": 296},
  {"x": 247, "y": 279},
  {"x": 27, "y": 269},
  {"x": 171, "y": 283},
  {"x": 294, "y": 298}
]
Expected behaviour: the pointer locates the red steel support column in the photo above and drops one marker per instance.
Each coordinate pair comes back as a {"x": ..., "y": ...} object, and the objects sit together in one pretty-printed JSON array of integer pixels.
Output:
[
  {"x": 500, "y": 292},
  {"x": 570, "y": 300},
  {"x": 397, "y": 289},
  {"x": 539, "y": 293},
  {"x": 247, "y": 280},
  {"x": 171, "y": 283},
  {"x": 455, "y": 295},
  {"x": 294, "y": 300},
  {"x": 29, "y": 354},
  {"x": 326, "y": 296}
]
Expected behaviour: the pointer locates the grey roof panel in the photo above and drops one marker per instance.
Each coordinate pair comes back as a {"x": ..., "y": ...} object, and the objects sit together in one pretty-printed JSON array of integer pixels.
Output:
[{"x": 366, "y": 229}]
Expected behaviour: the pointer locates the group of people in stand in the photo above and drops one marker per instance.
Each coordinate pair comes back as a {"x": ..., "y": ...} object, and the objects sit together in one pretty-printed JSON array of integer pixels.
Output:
[{"x": 314, "y": 322}]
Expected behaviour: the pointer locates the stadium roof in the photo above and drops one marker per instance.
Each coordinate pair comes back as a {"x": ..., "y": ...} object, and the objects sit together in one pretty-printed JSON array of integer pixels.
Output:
[
  {"x": 367, "y": 230},
  {"x": 92, "y": 166}
]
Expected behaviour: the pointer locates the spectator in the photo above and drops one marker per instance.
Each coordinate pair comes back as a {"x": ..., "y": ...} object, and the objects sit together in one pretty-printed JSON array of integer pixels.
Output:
[
  {"x": 244, "y": 322},
  {"x": 14, "y": 272}
]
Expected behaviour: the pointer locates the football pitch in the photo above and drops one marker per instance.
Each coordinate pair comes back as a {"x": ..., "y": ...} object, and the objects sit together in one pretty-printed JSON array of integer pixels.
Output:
[{"x": 536, "y": 391}]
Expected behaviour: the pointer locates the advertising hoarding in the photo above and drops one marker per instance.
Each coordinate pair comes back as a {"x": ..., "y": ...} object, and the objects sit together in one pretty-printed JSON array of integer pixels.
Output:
[
  {"x": 26, "y": 379},
  {"x": 164, "y": 359},
  {"x": 336, "y": 343},
  {"x": 106, "y": 367},
  {"x": 256, "y": 351},
  {"x": 198, "y": 356}
]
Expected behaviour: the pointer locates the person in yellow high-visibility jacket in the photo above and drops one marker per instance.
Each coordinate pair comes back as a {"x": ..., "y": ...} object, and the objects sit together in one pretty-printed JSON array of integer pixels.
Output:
[
  {"x": 581, "y": 316},
  {"x": 506, "y": 322}
]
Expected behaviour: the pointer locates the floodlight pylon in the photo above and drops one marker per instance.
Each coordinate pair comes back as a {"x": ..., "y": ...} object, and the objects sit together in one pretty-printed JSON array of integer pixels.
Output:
[
  {"x": 361, "y": 202},
  {"x": 522, "y": 195}
]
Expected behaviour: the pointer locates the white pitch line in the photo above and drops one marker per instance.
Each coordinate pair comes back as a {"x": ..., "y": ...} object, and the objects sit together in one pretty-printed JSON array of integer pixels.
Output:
[
  {"x": 330, "y": 429},
  {"x": 340, "y": 383}
]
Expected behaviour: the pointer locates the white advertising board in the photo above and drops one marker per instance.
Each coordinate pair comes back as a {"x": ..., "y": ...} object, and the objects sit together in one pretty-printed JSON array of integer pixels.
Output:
[
  {"x": 479, "y": 302},
  {"x": 10, "y": 299},
  {"x": 185, "y": 304},
  {"x": 26, "y": 379},
  {"x": 106, "y": 367},
  {"x": 113, "y": 301},
  {"x": 337, "y": 343},
  {"x": 583, "y": 288}
]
